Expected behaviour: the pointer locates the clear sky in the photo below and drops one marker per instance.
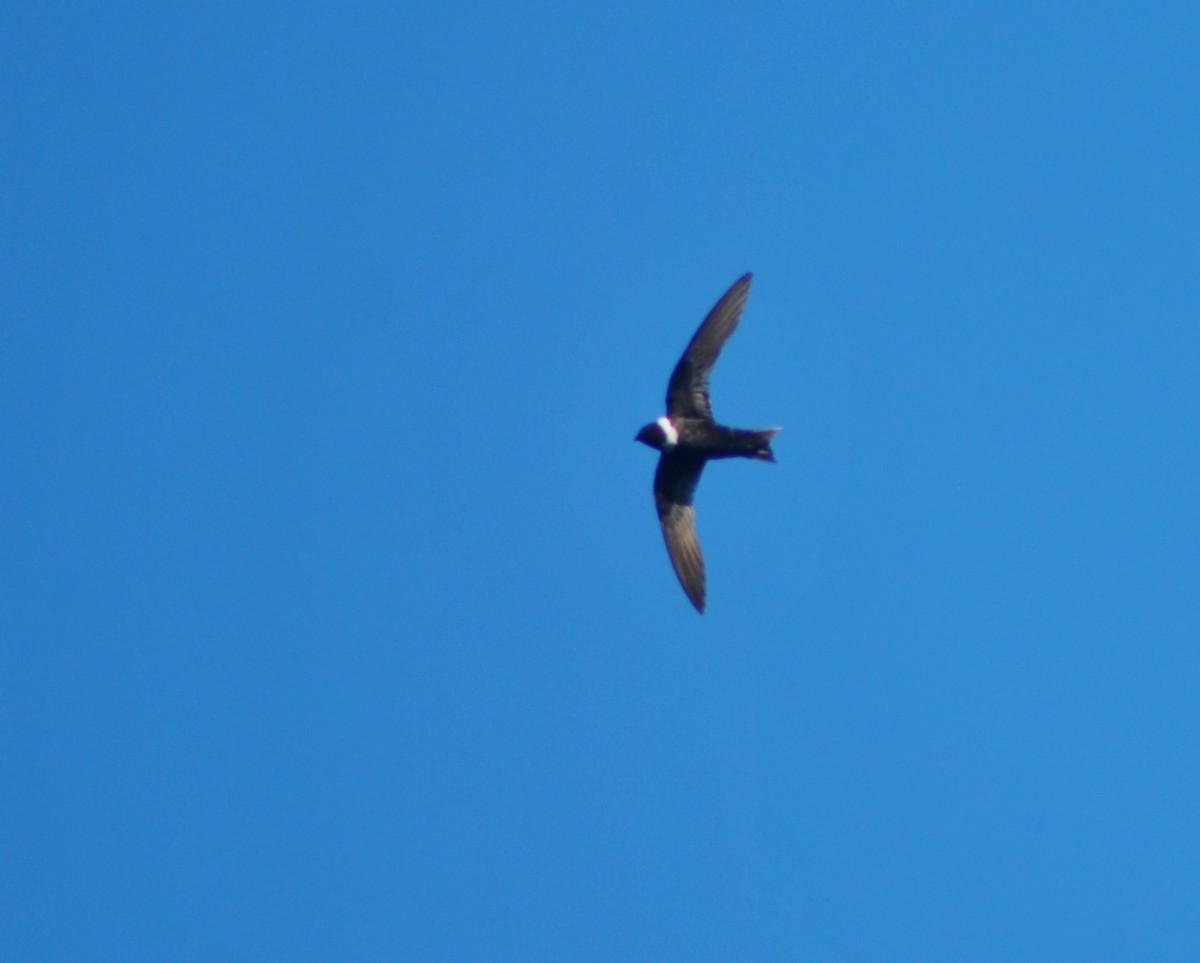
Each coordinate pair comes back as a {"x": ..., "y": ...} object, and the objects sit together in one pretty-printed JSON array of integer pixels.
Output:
[{"x": 335, "y": 620}]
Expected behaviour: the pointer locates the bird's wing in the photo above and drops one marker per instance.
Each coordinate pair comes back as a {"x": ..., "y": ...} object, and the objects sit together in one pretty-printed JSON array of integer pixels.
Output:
[
  {"x": 674, "y": 483},
  {"x": 687, "y": 391}
]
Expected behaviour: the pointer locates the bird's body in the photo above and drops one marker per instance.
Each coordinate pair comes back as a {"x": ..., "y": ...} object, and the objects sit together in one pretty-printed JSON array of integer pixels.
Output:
[{"x": 688, "y": 437}]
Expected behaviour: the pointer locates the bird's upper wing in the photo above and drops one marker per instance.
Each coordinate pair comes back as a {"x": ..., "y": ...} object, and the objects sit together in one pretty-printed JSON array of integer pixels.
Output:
[
  {"x": 674, "y": 483},
  {"x": 687, "y": 391}
]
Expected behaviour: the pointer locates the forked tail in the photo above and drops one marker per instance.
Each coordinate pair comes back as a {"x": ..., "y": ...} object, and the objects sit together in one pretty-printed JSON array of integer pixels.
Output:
[{"x": 761, "y": 442}]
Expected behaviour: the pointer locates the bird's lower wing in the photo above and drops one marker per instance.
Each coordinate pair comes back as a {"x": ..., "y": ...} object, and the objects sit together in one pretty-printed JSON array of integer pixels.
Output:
[
  {"x": 674, "y": 483},
  {"x": 679, "y": 532}
]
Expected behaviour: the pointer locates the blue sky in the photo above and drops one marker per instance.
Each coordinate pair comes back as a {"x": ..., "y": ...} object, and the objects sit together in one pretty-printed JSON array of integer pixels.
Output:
[{"x": 335, "y": 619}]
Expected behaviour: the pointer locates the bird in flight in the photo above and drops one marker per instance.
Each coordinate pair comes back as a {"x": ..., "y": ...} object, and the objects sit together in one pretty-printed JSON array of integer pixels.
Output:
[{"x": 688, "y": 437}]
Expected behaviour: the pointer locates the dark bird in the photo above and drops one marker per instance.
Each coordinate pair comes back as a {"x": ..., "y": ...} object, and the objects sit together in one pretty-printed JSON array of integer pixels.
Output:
[{"x": 688, "y": 438}]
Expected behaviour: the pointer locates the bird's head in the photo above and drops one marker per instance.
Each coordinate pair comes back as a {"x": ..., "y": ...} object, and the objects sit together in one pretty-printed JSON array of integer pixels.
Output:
[{"x": 659, "y": 435}]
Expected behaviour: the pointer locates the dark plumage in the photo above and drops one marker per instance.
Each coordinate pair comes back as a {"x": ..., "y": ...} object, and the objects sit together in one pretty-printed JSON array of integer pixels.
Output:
[{"x": 688, "y": 437}]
